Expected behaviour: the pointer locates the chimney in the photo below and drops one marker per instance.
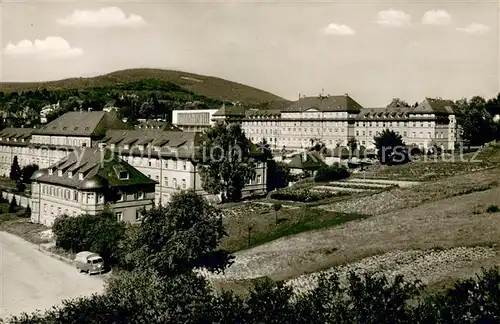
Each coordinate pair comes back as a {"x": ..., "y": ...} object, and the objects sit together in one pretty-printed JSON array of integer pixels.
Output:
[{"x": 346, "y": 94}]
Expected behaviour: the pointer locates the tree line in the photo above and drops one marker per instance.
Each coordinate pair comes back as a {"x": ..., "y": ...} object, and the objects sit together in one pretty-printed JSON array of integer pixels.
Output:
[{"x": 147, "y": 98}]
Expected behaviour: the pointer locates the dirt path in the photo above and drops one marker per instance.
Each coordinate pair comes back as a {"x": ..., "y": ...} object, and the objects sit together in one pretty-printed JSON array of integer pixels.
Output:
[{"x": 32, "y": 280}]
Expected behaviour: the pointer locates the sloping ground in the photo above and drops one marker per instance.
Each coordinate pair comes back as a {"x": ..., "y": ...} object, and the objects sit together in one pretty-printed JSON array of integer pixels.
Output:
[
  {"x": 453, "y": 222},
  {"x": 429, "y": 266},
  {"x": 399, "y": 198},
  {"x": 208, "y": 86}
]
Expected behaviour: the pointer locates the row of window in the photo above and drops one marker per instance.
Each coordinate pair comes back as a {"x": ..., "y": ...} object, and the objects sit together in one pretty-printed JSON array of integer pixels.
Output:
[{"x": 138, "y": 161}]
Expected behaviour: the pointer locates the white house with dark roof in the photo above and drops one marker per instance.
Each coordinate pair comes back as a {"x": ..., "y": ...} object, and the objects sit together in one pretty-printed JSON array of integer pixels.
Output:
[{"x": 86, "y": 181}]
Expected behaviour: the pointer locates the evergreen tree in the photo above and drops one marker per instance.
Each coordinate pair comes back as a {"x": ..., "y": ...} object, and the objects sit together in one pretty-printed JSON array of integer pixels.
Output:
[
  {"x": 15, "y": 170},
  {"x": 13, "y": 205}
]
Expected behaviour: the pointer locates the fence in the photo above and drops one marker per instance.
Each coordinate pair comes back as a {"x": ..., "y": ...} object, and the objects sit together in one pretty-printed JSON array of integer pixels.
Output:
[{"x": 21, "y": 199}]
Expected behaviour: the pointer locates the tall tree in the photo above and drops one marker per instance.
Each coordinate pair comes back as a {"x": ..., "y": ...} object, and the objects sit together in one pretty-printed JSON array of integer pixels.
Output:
[
  {"x": 178, "y": 238},
  {"x": 388, "y": 144},
  {"x": 226, "y": 161},
  {"x": 476, "y": 123},
  {"x": 15, "y": 170}
]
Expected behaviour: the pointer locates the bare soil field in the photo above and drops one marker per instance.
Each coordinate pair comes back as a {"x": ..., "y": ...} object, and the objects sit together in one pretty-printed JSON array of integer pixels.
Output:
[{"x": 459, "y": 221}]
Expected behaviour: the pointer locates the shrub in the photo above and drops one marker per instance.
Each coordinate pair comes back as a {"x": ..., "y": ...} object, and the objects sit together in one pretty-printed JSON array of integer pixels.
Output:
[
  {"x": 493, "y": 209},
  {"x": 13, "y": 205},
  {"x": 27, "y": 212},
  {"x": 331, "y": 173},
  {"x": 96, "y": 233}
]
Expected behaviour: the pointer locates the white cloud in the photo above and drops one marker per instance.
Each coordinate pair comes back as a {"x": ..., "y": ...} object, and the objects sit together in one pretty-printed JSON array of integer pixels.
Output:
[
  {"x": 393, "y": 18},
  {"x": 475, "y": 28},
  {"x": 50, "y": 47},
  {"x": 436, "y": 17},
  {"x": 335, "y": 29},
  {"x": 102, "y": 18}
]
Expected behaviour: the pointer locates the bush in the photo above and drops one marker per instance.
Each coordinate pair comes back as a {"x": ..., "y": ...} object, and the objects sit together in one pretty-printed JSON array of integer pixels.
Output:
[
  {"x": 13, "y": 205},
  {"x": 96, "y": 233},
  {"x": 331, "y": 173},
  {"x": 493, "y": 209},
  {"x": 27, "y": 212}
]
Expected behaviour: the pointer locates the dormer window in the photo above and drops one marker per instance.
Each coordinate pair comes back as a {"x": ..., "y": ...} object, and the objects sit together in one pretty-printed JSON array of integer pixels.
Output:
[
  {"x": 70, "y": 174},
  {"x": 124, "y": 175},
  {"x": 80, "y": 175},
  {"x": 112, "y": 146},
  {"x": 126, "y": 146},
  {"x": 59, "y": 173},
  {"x": 51, "y": 171}
]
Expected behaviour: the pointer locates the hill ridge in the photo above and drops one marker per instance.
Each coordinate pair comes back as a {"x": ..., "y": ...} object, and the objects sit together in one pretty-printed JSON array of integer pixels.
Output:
[{"x": 209, "y": 86}]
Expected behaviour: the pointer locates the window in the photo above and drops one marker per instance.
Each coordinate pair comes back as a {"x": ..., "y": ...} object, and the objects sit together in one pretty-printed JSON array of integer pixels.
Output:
[
  {"x": 183, "y": 183},
  {"x": 84, "y": 144},
  {"x": 175, "y": 165},
  {"x": 258, "y": 178},
  {"x": 75, "y": 195},
  {"x": 139, "y": 195},
  {"x": 119, "y": 216},
  {"x": 184, "y": 165},
  {"x": 137, "y": 215},
  {"x": 124, "y": 175},
  {"x": 174, "y": 182},
  {"x": 165, "y": 181},
  {"x": 44, "y": 208},
  {"x": 119, "y": 197},
  {"x": 157, "y": 178}
]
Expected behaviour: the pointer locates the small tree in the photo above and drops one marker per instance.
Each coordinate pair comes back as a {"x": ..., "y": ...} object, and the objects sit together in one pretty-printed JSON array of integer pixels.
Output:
[
  {"x": 15, "y": 170},
  {"x": 27, "y": 172},
  {"x": 388, "y": 144},
  {"x": 352, "y": 143},
  {"x": 27, "y": 212},
  {"x": 13, "y": 205},
  {"x": 179, "y": 238},
  {"x": 276, "y": 208}
]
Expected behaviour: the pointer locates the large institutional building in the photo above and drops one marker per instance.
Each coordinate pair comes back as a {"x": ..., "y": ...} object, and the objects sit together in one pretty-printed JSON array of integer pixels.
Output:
[
  {"x": 334, "y": 120},
  {"x": 84, "y": 155}
]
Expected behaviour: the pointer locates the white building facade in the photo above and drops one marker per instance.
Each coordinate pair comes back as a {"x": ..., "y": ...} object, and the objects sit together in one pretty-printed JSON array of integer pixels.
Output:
[{"x": 334, "y": 120}]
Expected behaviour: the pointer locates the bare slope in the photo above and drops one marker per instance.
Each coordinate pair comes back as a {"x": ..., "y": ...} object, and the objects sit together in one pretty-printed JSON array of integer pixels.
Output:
[{"x": 208, "y": 86}]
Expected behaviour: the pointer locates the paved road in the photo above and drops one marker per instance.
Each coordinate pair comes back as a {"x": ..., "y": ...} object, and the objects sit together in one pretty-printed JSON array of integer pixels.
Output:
[{"x": 32, "y": 280}]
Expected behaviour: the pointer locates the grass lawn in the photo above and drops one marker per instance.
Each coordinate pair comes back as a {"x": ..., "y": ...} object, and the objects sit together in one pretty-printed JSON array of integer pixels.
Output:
[
  {"x": 290, "y": 221},
  {"x": 17, "y": 224}
]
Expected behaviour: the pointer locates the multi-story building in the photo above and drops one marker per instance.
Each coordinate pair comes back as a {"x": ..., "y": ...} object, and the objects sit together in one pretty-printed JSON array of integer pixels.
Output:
[
  {"x": 193, "y": 120},
  {"x": 85, "y": 182},
  {"x": 334, "y": 120},
  {"x": 170, "y": 158}
]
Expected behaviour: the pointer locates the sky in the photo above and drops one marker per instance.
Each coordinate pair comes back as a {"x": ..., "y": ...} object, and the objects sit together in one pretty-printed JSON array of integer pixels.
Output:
[{"x": 372, "y": 50}]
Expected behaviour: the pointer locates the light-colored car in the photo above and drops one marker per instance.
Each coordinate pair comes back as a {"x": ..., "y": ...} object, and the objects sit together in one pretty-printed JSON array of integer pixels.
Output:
[{"x": 89, "y": 262}]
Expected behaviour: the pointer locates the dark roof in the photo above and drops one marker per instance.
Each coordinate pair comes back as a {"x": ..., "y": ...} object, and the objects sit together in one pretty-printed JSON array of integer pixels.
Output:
[
  {"x": 325, "y": 103},
  {"x": 435, "y": 106},
  {"x": 306, "y": 161},
  {"x": 384, "y": 113},
  {"x": 15, "y": 133},
  {"x": 99, "y": 167},
  {"x": 154, "y": 124},
  {"x": 263, "y": 113},
  {"x": 74, "y": 123},
  {"x": 230, "y": 111},
  {"x": 179, "y": 144}
]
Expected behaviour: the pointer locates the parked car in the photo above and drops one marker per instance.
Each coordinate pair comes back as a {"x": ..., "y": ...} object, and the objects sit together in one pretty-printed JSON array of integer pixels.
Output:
[{"x": 89, "y": 262}]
